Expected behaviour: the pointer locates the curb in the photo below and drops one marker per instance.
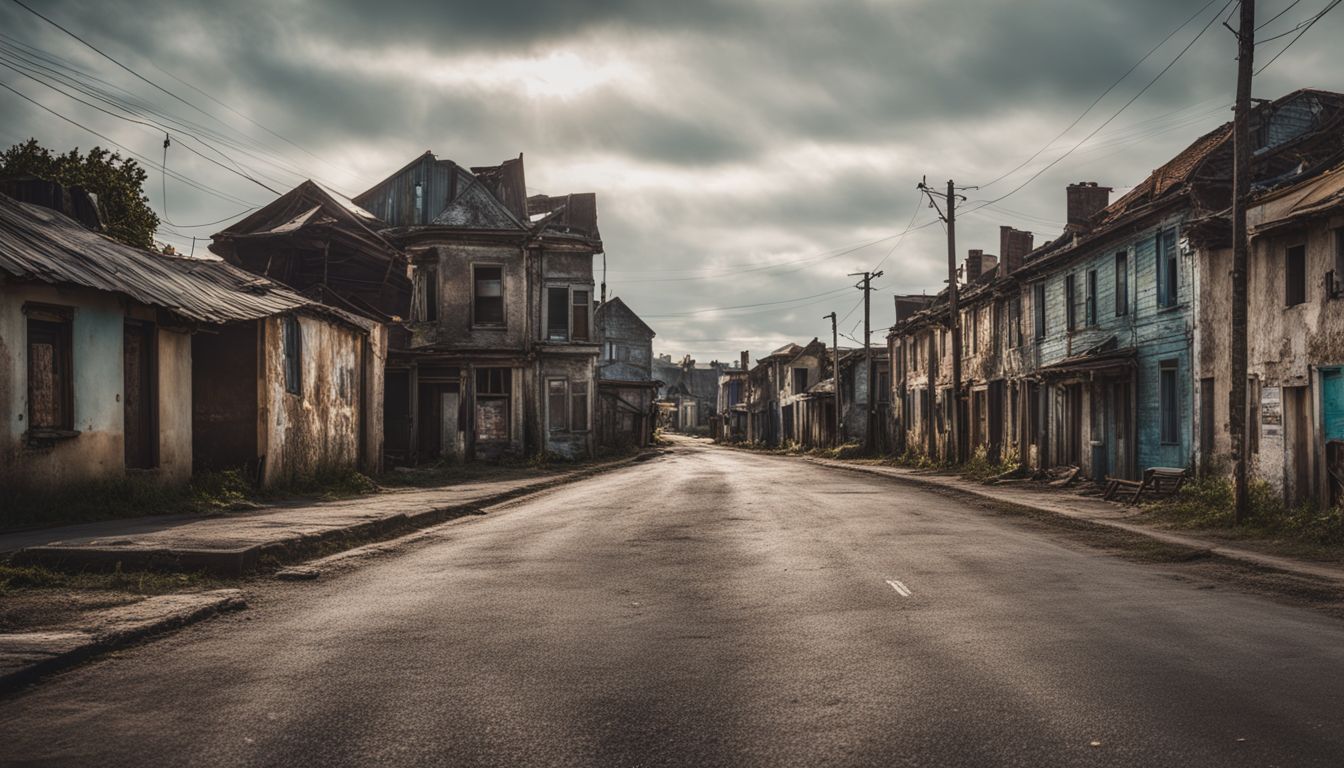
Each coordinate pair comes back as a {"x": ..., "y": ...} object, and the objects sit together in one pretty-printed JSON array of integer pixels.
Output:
[
  {"x": 1256, "y": 559},
  {"x": 244, "y": 560},
  {"x": 27, "y": 656}
]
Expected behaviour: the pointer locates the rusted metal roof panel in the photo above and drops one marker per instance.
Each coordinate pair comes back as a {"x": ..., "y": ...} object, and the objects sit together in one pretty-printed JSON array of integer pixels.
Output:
[{"x": 37, "y": 243}]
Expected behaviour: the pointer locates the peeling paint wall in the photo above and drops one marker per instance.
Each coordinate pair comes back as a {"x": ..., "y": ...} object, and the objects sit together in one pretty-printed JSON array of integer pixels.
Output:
[
  {"x": 455, "y": 327},
  {"x": 96, "y": 358},
  {"x": 317, "y": 429}
]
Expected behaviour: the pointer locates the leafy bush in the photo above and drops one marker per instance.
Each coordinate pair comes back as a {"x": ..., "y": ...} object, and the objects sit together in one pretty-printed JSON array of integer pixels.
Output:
[{"x": 1209, "y": 502}]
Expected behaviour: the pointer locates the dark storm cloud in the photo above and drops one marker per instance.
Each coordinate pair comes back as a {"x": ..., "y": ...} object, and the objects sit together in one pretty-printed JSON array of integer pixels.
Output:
[{"x": 719, "y": 136}]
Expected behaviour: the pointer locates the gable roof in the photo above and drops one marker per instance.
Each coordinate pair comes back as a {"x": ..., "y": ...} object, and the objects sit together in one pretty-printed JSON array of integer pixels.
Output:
[
  {"x": 615, "y": 306},
  {"x": 307, "y": 205},
  {"x": 37, "y": 243},
  {"x": 448, "y": 196}
]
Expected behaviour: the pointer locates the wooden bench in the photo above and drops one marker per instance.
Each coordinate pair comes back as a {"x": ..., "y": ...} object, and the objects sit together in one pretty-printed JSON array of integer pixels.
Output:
[{"x": 1160, "y": 481}]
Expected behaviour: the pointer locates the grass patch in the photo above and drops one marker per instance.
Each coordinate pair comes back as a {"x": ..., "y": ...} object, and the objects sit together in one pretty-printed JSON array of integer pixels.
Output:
[
  {"x": 1208, "y": 504},
  {"x": 16, "y": 578}
]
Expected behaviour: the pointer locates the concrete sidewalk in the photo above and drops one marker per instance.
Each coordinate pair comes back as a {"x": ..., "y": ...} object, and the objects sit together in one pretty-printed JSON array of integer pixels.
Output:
[
  {"x": 1091, "y": 509},
  {"x": 235, "y": 543}
]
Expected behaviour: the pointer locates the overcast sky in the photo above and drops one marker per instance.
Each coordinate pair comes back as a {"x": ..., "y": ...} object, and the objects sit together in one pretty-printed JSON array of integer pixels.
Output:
[{"x": 740, "y": 151}]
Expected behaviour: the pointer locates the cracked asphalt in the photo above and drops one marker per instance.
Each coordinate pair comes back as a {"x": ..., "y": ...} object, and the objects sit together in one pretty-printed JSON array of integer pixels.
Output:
[{"x": 718, "y": 608}]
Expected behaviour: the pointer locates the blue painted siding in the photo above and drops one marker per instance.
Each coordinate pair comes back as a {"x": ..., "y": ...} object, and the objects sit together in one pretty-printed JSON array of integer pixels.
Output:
[{"x": 1157, "y": 333}]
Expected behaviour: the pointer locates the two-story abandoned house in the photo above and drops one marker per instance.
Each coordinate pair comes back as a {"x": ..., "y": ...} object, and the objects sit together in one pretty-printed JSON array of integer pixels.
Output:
[{"x": 502, "y": 352}]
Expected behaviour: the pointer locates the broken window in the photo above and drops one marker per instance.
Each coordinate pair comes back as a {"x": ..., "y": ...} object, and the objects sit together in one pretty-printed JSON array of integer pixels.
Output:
[
  {"x": 799, "y": 380},
  {"x": 488, "y": 296},
  {"x": 293, "y": 350},
  {"x": 1166, "y": 268},
  {"x": 50, "y": 384},
  {"x": 1070, "y": 319},
  {"x": 493, "y": 387},
  {"x": 975, "y": 329},
  {"x": 1090, "y": 309},
  {"x": 556, "y": 411},
  {"x": 1015, "y": 321},
  {"x": 1169, "y": 391},
  {"x": 557, "y": 313},
  {"x": 1038, "y": 309},
  {"x": 1295, "y": 276},
  {"x": 578, "y": 406},
  {"x": 1121, "y": 284}
]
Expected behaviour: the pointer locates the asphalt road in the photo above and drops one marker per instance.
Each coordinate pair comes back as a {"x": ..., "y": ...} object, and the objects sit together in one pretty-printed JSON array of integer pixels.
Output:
[{"x": 715, "y": 607}]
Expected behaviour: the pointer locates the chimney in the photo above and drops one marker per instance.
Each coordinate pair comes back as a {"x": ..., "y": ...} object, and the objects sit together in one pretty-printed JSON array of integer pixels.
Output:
[
  {"x": 1084, "y": 200},
  {"x": 744, "y": 359},
  {"x": 973, "y": 264},
  {"x": 978, "y": 263},
  {"x": 1014, "y": 245}
]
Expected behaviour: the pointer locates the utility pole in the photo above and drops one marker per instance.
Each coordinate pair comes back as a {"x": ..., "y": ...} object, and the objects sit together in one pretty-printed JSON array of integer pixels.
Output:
[
  {"x": 1241, "y": 186},
  {"x": 867, "y": 287},
  {"x": 835, "y": 373},
  {"x": 954, "y": 317}
]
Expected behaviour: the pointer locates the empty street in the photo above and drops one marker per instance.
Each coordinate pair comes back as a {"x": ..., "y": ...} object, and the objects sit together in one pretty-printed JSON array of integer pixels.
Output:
[{"x": 718, "y": 607}]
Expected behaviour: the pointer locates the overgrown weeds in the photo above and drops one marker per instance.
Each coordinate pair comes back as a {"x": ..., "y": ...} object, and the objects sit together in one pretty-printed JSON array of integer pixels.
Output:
[
  {"x": 14, "y": 578},
  {"x": 1208, "y": 503}
]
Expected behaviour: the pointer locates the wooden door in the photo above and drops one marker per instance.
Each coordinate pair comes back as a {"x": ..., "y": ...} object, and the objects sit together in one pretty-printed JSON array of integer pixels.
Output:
[{"x": 138, "y": 395}]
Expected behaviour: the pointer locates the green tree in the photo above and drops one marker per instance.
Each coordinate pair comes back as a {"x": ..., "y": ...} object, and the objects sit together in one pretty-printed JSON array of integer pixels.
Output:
[{"x": 117, "y": 181}]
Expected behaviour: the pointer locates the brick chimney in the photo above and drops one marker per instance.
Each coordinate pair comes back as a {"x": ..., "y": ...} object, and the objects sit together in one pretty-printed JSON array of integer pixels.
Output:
[
  {"x": 745, "y": 360},
  {"x": 977, "y": 263},
  {"x": 1084, "y": 200},
  {"x": 1014, "y": 245}
]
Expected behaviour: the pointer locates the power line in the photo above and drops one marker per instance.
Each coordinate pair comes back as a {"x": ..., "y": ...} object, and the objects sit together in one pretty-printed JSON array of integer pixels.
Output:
[
  {"x": 748, "y": 306},
  {"x": 1103, "y": 95},
  {"x": 1117, "y": 113},
  {"x": 1305, "y": 27},
  {"x": 124, "y": 148}
]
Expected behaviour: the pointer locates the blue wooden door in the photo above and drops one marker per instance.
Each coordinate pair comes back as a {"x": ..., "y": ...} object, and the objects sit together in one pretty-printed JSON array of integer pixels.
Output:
[{"x": 1332, "y": 403}]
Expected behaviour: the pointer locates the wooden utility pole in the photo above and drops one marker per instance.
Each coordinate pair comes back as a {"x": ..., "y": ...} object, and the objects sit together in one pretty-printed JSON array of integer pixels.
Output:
[
  {"x": 954, "y": 316},
  {"x": 835, "y": 373},
  {"x": 1241, "y": 186},
  {"x": 867, "y": 287}
]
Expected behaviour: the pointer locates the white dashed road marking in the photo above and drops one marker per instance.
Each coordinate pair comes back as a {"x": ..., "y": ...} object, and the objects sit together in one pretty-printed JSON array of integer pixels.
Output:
[{"x": 900, "y": 588}]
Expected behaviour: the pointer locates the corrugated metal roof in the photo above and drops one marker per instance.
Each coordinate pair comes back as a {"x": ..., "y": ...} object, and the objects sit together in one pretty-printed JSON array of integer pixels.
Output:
[{"x": 40, "y": 244}]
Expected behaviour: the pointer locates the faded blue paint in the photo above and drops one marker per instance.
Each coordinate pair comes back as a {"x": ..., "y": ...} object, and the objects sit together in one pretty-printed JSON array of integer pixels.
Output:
[
  {"x": 96, "y": 337},
  {"x": 1332, "y": 403},
  {"x": 1157, "y": 333}
]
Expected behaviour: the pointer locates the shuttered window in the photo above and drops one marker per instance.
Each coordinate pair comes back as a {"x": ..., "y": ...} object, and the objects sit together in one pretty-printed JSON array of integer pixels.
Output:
[
  {"x": 293, "y": 352},
  {"x": 1121, "y": 284},
  {"x": 556, "y": 406},
  {"x": 581, "y": 307},
  {"x": 1295, "y": 276},
  {"x": 578, "y": 406},
  {"x": 1169, "y": 391},
  {"x": 50, "y": 384}
]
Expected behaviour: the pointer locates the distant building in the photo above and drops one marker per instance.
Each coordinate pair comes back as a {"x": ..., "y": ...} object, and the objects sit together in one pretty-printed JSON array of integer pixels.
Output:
[{"x": 626, "y": 389}]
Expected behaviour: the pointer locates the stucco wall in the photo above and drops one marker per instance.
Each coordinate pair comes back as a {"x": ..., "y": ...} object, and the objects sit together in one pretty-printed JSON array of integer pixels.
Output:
[
  {"x": 317, "y": 429},
  {"x": 454, "y": 328},
  {"x": 96, "y": 335}
]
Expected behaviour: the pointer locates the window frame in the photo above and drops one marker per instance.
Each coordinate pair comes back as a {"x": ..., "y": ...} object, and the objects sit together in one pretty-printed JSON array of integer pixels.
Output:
[
  {"x": 58, "y": 321},
  {"x": 1090, "y": 298},
  {"x": 476, "y": 322},
  {"x": 570, "y": 307},
  {"x": 572, "y": 402},
  {"x": 1166, "y": 252},
  {"x": 1295, "y": 288},
  {"x": 1169, "y": 410},
  {"x": 1070, "y": 302},
  {"x": 1038, "y": 326},
  {"x": 1121, "y": 283}
]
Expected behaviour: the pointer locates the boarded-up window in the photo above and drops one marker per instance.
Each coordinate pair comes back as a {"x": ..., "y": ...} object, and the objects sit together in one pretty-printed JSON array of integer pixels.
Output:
[
  {"x": 493, "y": 389},
  {"x": 293, "y": 351},
  {"x": 556, "y": 410},
  {"x": 50, "y": 393},
  {"x": 578, "y": 406},
  {"x": 580, "y": 312},
  {"x": 488, "y": 296}
]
